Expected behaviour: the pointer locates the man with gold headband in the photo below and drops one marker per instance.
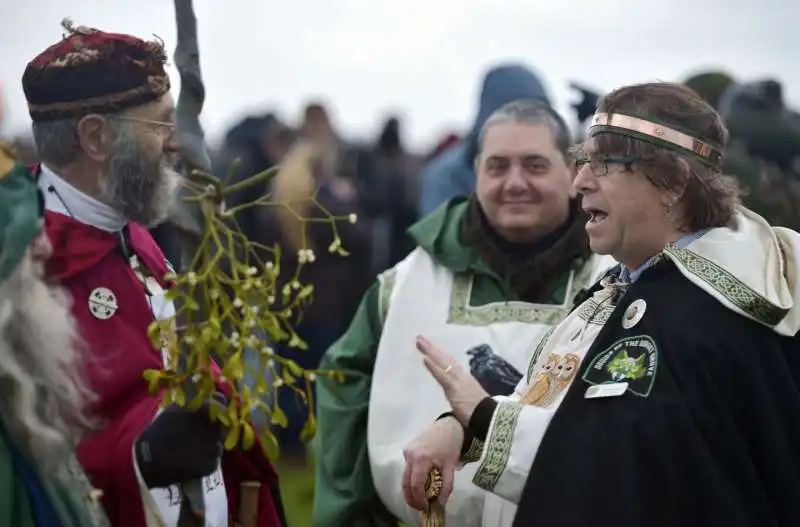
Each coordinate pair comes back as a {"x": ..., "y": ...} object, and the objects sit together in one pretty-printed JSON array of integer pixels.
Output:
[
  {"x": 679, "y": 403},
  {"x": 103, "y": 122}
]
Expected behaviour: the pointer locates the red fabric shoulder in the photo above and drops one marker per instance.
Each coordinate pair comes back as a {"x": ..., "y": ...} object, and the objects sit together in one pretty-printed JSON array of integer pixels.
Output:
[{"x": 76, "y": 246}]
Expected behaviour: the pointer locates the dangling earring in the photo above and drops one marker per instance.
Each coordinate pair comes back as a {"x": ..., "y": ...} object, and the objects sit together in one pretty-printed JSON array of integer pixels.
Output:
[{"x": 669, "y": 208}]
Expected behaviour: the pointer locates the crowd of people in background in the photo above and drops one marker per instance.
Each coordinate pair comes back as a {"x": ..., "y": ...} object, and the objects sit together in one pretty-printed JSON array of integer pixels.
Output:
[{"x": 390, "y": 187}]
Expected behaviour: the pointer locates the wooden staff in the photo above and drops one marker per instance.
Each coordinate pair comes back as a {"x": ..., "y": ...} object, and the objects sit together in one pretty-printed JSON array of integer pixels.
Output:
[{"x": 249, "y": 494}]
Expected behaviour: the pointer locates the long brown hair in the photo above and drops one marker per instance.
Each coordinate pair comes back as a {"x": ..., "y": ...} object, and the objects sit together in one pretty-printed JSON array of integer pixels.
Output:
[{"x": 293, "y": 191}]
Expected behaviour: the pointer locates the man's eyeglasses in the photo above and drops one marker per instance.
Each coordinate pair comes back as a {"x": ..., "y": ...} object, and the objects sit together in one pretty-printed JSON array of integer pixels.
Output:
[
  {"x": 162, "y": 126},
  {"x": 599, "y": 164}
]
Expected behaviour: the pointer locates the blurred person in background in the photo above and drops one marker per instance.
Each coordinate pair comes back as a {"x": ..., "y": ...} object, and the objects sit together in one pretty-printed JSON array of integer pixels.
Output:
[
  {"x": 584, "y": 108},
  {"x": 710, "y": 85},
  {"x": 490, "y": 275},
  {"x": 2, "y": 107},
  {"x": 763, "y": 152},
  {"x": 259, "y": 142},
  {"x": 764, "y": 149},
  {"x": 44, "y": 393},
  {"x": 337, "y": 158},
  {"x": 317, "y": 129},
  {"x": 256, "y": 143},
  {"x": 301, "y": 187},
  {"x": 452, "y": 174},
  {"x": 445, "y": 143},
  {"x": 23, "y": 147},
  {"x": 316, "y": 124},
  {"x": 388, "y": 190}
]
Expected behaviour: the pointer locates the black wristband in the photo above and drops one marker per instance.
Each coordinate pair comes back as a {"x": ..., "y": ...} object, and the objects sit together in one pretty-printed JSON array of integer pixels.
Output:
[
  {"x": 446, "y": 414},
  {"x": 481, "y": 419}
]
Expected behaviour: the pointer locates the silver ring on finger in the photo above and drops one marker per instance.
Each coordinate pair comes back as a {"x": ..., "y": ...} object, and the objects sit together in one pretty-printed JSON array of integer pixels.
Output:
[{"x": 447, "y": 370}]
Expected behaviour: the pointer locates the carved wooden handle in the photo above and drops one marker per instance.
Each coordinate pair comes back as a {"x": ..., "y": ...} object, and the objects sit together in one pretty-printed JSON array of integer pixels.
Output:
[{"x": 434, "y": 515}]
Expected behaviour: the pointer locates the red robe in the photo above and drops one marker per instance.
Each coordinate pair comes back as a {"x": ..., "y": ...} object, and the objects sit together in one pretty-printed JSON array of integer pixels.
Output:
[{"x": 85, "y": 258}]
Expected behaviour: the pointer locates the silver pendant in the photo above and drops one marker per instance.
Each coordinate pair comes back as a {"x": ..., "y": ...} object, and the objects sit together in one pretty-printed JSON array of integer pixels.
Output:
[
  {"x": 634, "y": 313},
  {"x": 103, "y": 303}
]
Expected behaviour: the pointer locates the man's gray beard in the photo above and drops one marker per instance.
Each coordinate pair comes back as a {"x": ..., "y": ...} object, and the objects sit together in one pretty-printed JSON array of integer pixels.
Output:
[
  {"x": 139, "y": 188},
  {"x": 43, "y": 397}
]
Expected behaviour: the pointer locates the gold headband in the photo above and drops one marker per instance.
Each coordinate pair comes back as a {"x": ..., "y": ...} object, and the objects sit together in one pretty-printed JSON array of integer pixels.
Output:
[{"x": 603, "y": 122}]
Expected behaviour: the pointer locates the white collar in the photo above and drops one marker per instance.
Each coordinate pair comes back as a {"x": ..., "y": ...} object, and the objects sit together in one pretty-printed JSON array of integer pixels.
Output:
[
  {"x": 751, "y": 267},
  {"x": 61, "y": 197}
]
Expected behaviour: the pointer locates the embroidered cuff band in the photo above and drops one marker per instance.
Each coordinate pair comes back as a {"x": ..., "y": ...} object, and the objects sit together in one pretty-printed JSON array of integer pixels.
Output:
[
  {"x": 656, "y": 134},
  {"x": 472, "y": 452}
]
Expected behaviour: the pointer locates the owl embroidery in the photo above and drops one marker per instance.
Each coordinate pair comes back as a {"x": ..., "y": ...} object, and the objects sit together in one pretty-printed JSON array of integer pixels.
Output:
[{"x": 551, "y": 379}]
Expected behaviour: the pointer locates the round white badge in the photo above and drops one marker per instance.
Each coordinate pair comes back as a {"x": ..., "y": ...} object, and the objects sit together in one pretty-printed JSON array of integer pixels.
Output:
[
  {"x": 103, "y": 303},
  {"x": 634, "y": 313}
]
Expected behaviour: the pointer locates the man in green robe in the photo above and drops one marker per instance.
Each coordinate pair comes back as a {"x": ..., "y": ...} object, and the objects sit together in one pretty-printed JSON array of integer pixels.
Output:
[
  {"x": 491, "y": 275},
  {"x": 42, "y": 396}
]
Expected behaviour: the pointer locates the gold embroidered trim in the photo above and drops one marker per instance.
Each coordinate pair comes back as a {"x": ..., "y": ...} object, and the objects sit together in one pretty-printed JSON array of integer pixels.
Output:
[
  {"x": 730, "y": 287},
  {"x": 7, "y": 160},
  {"x": 474, "y": 452},
  {"x": 462, "y": 313},
  {"x": 156, "y": 85},
  {"x": 498, "y": 446},
  {"x": 595, "y": 312}
]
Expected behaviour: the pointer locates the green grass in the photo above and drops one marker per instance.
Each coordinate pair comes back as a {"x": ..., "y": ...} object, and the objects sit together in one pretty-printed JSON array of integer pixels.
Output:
[{"x": 297, "y": 491}]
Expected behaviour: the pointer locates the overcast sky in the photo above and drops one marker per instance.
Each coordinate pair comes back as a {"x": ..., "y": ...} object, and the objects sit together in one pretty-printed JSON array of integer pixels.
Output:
[{"x": 423, "y": 58}]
